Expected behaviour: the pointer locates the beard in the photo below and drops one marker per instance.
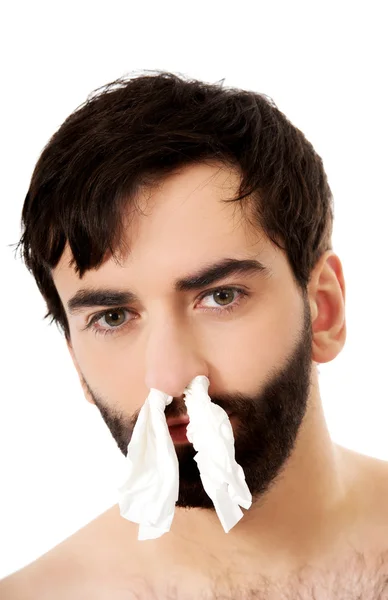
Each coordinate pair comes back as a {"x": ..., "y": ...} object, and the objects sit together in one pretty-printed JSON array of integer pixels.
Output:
[{"x": 266, "y": 430}]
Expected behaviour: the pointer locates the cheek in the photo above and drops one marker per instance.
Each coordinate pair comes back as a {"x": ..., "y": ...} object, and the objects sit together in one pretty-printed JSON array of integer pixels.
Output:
[
  {"x": 252, "y": 346},
  {"x": 98, "y": 364},
  {"x": 114, "y": 369}
]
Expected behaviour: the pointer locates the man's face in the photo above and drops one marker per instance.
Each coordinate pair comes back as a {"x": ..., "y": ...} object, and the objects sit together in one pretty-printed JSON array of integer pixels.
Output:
[{"x": 249, "y": 333}]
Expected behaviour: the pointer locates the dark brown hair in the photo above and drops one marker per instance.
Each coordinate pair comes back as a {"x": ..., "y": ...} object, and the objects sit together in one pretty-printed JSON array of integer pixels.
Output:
[{"x": 131, "y": 133}]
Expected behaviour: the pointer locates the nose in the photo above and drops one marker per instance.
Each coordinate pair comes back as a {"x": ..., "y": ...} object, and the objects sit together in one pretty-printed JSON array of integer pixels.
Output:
[{"x": 173, "y": 359}]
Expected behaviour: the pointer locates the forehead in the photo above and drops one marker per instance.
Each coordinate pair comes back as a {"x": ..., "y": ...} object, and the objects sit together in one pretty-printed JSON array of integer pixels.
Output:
[
  {"x": 183, "y": 222},
  {"x": 188, "y": 210}
]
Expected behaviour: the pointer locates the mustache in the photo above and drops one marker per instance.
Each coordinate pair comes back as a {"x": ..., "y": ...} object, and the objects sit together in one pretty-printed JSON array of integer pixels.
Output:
[
  {"x": 177, "y": 408},
  {"x": 230, "y": 403}
]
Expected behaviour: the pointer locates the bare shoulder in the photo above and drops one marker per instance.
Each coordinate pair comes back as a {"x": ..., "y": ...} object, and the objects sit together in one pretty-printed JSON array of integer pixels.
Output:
[
  {"x": 366, "y": 470},
  {"x": 39, "y": 580},
  {"x": 81, "y": 566},
  {"x": 55, "y": 571},
  {"x": 367, "y": 482}
]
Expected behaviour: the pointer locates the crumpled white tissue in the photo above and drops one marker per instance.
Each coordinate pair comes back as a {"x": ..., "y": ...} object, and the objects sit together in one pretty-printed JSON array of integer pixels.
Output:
[
  {"x": 211, "y": 434},
  {"x": 149, "y": 494}
]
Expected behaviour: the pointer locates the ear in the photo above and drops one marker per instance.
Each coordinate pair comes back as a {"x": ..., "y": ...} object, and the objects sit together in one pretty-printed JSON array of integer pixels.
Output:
[
  {"x": 326, "y": 292},
  {"x": 84, "y": 385}
]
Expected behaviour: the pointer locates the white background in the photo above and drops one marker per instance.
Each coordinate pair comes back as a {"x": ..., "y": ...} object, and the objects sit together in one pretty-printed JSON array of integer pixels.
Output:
[{"x": 325, "y": 66}]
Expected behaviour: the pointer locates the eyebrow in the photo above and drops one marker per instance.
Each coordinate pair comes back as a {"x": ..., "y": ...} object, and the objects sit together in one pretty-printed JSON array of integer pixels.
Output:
[{"x": 92, "y": 297}]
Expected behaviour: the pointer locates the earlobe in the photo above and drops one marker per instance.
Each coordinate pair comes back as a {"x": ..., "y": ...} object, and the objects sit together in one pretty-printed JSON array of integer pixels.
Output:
[
  {"x": 84, "y": 385},
  {"x": 327, "y": 303}
]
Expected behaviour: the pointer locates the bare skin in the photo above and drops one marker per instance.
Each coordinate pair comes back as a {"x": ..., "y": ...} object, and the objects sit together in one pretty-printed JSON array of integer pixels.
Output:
[
  {"x": 321, "y": 531},
  {"x": 345, "y": 557}
]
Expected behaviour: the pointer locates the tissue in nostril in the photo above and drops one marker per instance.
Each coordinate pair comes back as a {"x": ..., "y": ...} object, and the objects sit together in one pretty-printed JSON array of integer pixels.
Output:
[
  {"x": 211, "y": 434},
  {"x": 149, "y": 494}
]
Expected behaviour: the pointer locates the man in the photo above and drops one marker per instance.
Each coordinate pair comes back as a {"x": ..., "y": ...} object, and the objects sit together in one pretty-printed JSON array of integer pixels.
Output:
[{"x": 176, "y": 229}]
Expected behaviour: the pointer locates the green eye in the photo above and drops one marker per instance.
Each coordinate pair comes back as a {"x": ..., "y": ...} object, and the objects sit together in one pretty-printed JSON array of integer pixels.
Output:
[
  {"x": 115, "y": 317},
  {"x": 222, "y": 293}
]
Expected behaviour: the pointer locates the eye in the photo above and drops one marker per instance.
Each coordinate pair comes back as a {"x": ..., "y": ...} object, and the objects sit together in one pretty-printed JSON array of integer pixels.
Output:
[
  {"x": 223, "y": 297},
  {"x": 114, "y": 318}
]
